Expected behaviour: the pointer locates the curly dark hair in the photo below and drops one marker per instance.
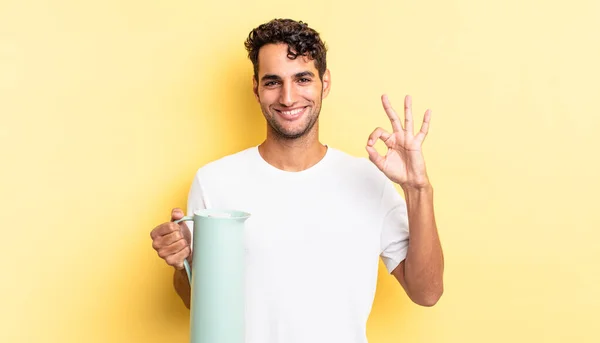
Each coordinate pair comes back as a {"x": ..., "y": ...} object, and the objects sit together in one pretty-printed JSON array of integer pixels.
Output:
[{"x": 300, "y": 39}]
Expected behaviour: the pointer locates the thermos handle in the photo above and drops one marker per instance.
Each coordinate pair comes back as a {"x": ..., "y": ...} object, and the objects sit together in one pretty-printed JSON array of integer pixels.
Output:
[{"x": 186, "y": 264}]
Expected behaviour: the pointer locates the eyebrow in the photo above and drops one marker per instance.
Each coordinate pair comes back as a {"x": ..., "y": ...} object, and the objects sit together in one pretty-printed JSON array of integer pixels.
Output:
[
  {"x": 277, "y": 77},
  {"x": 304, "y": 73},
  {"x": 270, "y": 77}
]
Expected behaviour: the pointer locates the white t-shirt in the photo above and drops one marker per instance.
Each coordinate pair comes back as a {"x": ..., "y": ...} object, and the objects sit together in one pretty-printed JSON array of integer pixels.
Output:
[{"x": 313, "y": 241}]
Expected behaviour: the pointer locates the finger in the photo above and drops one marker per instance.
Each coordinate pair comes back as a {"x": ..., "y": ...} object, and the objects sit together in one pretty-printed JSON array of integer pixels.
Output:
[
  {"x": 374, "y": 157},
  {"x": 166, "y": 240},
  {"x": 172, "y": 249},
  {"x": 387, "y": 106},
  {"x": 176, "y": 260},
  {"x": 176, "y": 214},
  {"x": 378, "y": 133},
  {"x": 425, "y": 126},
  {"x": 408, "y": 118},
  {"x": 186, "y": 233},
  {"x": 164, "y": 229}
]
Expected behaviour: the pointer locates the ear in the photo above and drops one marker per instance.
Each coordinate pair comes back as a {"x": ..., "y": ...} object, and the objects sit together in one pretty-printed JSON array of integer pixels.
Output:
[
  {"x": 326, "y": 83},
  {"x": 255, "y": 88}
]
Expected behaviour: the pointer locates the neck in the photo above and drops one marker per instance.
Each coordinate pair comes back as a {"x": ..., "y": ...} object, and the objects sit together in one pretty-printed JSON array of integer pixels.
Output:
[{"x": 292, "y": 154}]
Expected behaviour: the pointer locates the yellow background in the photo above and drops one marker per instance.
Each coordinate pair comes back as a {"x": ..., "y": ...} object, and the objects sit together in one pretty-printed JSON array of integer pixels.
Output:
[{"x": 109, "y": 107}]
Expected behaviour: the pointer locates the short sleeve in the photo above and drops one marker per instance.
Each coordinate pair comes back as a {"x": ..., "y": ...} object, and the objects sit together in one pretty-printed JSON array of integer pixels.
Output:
[
  {"x": 195, "y": 201},
  {"x": 394, "y": 231}
]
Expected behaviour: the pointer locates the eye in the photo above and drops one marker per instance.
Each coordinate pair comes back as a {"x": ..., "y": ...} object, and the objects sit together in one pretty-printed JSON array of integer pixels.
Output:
[
  {"x": 271, "y": 83},
  {"x": 304, "y": 80}
]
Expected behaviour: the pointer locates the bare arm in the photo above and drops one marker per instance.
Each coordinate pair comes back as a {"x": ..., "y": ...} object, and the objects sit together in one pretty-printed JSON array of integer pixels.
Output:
[
  {"x": 172, "y": 243},
  {"x": 421, "y": 273},
  {"x": 182, "y": 286}
]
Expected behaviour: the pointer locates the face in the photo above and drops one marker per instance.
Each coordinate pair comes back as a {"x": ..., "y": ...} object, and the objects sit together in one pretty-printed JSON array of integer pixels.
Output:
[{"x": 289, "y": 91}]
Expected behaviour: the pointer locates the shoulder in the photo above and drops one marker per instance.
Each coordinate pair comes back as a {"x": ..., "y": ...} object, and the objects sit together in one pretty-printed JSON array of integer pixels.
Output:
[
  {"x": 226, "y": 166},
  {"x": 358, "y": 167},
  {"x": 356, "y": 164}
]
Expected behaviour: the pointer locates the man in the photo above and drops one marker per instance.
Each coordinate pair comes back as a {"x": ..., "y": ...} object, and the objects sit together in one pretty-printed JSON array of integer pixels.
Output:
[{"x": 320, "y": 218}]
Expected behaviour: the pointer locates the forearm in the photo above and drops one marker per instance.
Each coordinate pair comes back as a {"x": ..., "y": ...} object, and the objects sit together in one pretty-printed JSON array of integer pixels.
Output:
[
  {"x": 424, "y": 264},
  {"x": 182, "y": 286}
]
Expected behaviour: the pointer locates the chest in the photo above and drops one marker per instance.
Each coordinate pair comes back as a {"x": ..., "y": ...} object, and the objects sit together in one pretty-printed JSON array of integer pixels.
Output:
[{"x": 304, "y": 227}]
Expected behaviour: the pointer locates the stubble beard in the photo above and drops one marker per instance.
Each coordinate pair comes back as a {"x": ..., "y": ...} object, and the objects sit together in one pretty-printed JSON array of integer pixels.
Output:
[{"x": 284, "y": 134}]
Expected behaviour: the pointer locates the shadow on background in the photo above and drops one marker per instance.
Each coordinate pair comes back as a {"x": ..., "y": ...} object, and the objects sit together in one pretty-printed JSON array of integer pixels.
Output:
[
  {"x": 227, "y": 86},
  {"x": 386, "y": 316},
  {"x": 237, "y": 125}
]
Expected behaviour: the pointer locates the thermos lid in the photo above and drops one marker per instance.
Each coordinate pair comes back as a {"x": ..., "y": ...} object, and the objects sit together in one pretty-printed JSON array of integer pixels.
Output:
[{"x": 220, "y": 215}]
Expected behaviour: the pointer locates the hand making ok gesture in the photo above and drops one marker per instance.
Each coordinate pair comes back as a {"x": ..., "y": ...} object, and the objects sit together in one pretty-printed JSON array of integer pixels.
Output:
[{"x": 404, "y": 163}]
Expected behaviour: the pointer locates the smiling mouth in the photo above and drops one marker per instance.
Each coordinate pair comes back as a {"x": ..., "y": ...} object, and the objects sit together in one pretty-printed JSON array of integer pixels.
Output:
[{"x": 292, "y": 113}]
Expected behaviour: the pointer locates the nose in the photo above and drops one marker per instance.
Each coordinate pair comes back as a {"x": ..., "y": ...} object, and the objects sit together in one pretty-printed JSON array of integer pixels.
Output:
[{"x": 286, "y": 97}]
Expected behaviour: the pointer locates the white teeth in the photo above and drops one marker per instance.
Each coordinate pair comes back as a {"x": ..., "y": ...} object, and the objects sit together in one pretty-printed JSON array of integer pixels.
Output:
[{"x": 291, "y": 113}]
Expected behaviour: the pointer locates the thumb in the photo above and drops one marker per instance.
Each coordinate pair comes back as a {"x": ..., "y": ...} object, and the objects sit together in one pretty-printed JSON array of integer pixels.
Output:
[
  {"x": 176, "y": 214},
  {"x": 374, "y": 156}
]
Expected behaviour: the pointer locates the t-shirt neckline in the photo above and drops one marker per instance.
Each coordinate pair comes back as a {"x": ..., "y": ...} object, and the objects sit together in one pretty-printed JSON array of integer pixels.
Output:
[{"x": 310, "y": 170}]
